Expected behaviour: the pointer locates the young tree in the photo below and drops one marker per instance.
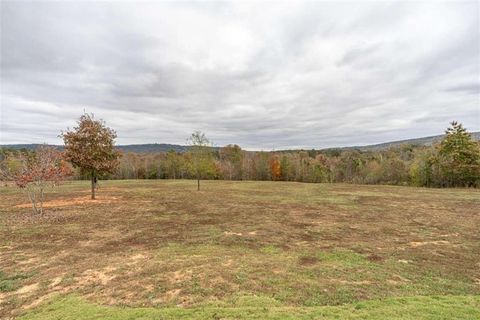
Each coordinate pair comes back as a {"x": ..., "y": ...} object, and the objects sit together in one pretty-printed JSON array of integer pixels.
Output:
[
  {"x": 423, "y": 170},
  {"x": 34, "y": 172},
  {"x": 201, "y": 151},
  {"x": 172, "y": 164},
  {"x": 91, "y": 147},
  {"x": 232, "y": 158},
  {"x": 285, "y": 168},
  {"x": 459, "y": 157},
  {"x": 262, "y": 168},
  {"x": 275, "y": 168}
]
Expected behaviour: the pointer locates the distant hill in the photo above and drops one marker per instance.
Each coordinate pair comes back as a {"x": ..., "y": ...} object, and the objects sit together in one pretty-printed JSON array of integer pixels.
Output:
[
  {"x": 152, "y": 147},
  {"x": 425, "y": 141},
  {"x": 162, "y": 147},
  {"x": 137, "y": 148}
]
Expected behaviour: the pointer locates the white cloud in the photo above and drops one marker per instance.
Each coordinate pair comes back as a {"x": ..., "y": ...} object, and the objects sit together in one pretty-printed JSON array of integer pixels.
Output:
[{"x": 268, "y": 75}]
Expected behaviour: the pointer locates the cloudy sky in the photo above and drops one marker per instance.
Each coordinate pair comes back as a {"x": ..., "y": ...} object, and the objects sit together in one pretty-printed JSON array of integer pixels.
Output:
[{"x": 264, "y": 76}]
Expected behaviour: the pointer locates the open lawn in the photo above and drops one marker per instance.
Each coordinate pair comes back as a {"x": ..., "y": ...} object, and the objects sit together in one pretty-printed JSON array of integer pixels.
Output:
[{"x": 160, "y": 249}]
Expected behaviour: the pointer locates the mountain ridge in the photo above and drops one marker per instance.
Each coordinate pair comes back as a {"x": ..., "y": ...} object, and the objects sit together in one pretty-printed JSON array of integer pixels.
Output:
[{"x": 165, "y": 147}]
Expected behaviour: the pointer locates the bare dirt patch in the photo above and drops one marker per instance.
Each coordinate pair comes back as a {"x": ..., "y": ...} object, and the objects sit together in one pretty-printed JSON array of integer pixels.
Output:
[
  {"x": 351, "y": 282},
  {"x": 28, "y": 289},
  {"x": 73, "y": 202},
  {"x": 137, "y": 258},
  {"x": 55, "y": 282},
  {"x": 29, "y": 261},
  {"x": 227, "y": 263},
  {"x": 180, "y": 276},
  {"x": 230, "y": 233},
  {"x": 103, "y": 276},
  {"x": 415, "y": 244}
]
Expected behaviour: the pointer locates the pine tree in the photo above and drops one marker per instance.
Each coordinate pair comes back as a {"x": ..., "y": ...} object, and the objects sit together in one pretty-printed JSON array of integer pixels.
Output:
[{"x": 459, "y": 157}]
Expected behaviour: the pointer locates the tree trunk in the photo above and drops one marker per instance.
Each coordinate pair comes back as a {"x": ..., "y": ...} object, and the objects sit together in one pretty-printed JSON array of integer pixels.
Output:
[
  {"x": 41, "y": 201},
  {"x": 33, "y": 199},
  {"x": 93, "y": 185},
  {"x": 198, "y": 179}
]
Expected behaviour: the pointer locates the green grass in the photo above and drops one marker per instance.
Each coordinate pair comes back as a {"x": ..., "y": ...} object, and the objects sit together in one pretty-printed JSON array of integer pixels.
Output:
[
  {"x": 414, "y": 308},
  {"x": 11, "y": 282}
]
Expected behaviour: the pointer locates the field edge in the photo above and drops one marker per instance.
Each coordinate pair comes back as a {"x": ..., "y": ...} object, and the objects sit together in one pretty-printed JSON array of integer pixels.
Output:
[{"x": 413, "y": 307}]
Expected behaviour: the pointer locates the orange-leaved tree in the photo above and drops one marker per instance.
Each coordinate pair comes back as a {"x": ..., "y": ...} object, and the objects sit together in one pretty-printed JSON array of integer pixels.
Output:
[
  {"x": 275, "y": 168},
  {"x": 91, "y": 147}
]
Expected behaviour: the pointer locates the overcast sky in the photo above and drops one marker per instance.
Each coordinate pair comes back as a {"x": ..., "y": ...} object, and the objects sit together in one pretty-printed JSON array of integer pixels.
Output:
[{"x": 265, "y": 76}]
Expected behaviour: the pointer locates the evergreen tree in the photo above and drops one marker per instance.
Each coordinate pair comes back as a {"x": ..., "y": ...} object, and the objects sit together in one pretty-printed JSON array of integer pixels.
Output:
[{"x": 459, "y": 157}]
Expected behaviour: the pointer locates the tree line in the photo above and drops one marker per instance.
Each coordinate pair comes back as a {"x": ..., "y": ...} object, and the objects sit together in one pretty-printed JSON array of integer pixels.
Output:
[
  {"x": 454, "y": 162},
  {"x": 90, "y": 153}
]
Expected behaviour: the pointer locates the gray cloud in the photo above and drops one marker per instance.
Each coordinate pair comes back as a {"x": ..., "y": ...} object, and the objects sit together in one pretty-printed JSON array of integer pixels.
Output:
[{"x": 265, "y": 76}]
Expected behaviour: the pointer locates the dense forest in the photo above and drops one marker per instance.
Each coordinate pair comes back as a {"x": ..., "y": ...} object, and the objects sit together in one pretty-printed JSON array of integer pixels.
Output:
[{"x": 454, "y": 161}]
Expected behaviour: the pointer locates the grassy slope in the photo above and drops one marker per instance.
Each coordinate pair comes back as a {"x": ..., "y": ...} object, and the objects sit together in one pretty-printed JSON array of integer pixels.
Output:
[{"x": 295, "y": 248}]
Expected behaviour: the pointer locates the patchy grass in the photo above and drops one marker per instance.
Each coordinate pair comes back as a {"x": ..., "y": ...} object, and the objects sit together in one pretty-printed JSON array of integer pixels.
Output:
[
  {"x": 299, "y": 249},
  {"x": 11, "y": 282}
]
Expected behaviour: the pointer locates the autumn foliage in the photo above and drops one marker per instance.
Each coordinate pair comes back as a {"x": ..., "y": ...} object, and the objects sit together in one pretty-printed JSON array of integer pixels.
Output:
[
  {"x": 33, "y": 172},
  {"x": 45, "y": 165},
  {"x": 275, "y": 169},
  {"x": 453, "y": 162},
  {"x": 91, "y": 147}
]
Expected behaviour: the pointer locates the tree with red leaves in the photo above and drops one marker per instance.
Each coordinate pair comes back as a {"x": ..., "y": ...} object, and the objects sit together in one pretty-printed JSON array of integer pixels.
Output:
[
  {"x": 91, "y": 147},
  {"x": 36, "y": 171}
]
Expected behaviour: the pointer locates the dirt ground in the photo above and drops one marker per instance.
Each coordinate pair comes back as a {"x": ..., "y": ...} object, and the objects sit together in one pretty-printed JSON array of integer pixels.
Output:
[{"x": 162, "y": 243}]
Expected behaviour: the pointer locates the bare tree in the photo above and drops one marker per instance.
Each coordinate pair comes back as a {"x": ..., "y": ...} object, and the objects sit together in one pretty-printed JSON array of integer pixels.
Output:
[{"x": 201, "y": 150}]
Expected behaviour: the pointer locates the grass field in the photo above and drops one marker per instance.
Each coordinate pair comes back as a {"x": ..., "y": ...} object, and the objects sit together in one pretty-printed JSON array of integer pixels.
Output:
[{"x": 264, "y": 250}]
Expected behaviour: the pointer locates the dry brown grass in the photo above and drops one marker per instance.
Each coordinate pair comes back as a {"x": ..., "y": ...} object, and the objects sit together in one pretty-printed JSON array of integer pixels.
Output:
[
  {"x": 163, "y": 243},
  {"x": 72, "y": 202}
]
